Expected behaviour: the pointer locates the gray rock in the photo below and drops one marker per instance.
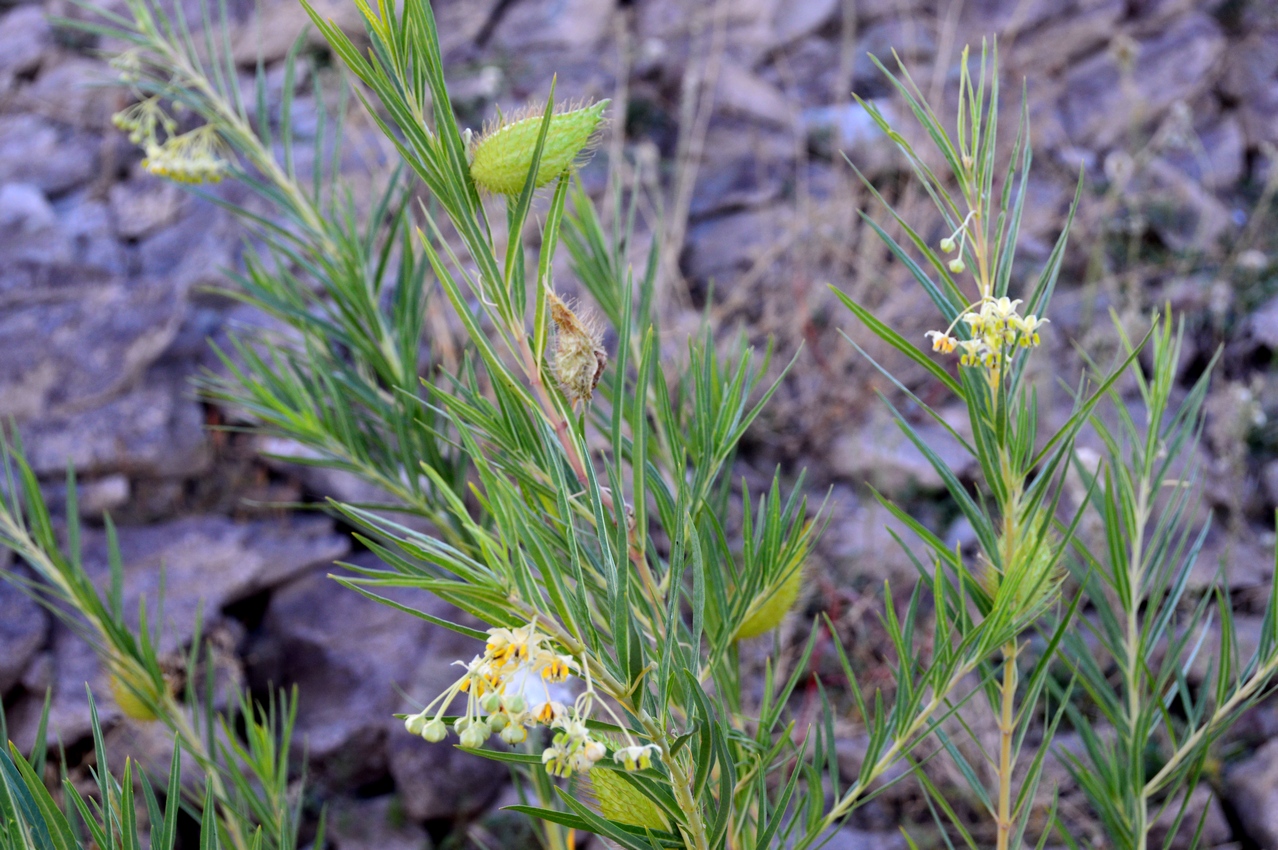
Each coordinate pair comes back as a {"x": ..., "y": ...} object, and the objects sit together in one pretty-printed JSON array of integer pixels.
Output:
[
  {"x": 346, "y": 655},
  {"x": 154, "y": 430},
  {"x": 1174, "y": 64},
  {"x": 745, "y": 94},
  {"x": 35, "y": 150},
  {"x": 723, "y": 247},
  {"x": 573, "y": 24},
  {"x": 1252, "y": 790},
  {"x": 796, "y": 19},
  {"x": 877, "y": 452},
  {"x": 375, "y": 824},
  {"x": 201, "y": 564},
  {"x": 750, "y": 168},
  {"x": 68, "y": 349},
  {"x": 75, "y": 91},
  {"x": 23, "y": 629},
  {"x": 144, "y": 205},
  {"x": 1263, "y": 324},
  {"x": 1216, "y": 829},
  {"x": 1251, "y": 77},
  {"x": 24, "y": 36}
]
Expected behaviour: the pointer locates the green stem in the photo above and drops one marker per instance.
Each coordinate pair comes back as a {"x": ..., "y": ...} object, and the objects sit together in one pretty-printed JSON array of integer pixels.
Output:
[{"x": 1006, "y": 729}]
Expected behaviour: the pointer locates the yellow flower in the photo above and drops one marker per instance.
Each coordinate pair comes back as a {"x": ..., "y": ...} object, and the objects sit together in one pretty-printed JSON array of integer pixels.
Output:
[{"x": 942, "y": 341}]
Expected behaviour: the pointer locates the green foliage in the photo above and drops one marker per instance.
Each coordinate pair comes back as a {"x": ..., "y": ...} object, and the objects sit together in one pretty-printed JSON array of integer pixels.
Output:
[{"x": 583, "y": 518}]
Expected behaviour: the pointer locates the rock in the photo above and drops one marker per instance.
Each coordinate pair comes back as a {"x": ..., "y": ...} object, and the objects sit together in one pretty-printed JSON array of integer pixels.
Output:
[
  {"x": 1251, "y": 78},
  {"x": 1215, "y": 156},
  {"x": 564, "y": 24},
  {"x": 744, "y": 94},
  {"x": 1040, "y": 38},
  {"x": 1216, "y": 829},
  {"x": 23, "y": 629},
  {"x": 856, "y": 839},
  {"x": 913, "y": 37},
  {"x": 96, "y": 253},
  {"x": 721, "y": 248},
  {"x": 795, "y": 19},
  {"x": 94, "y": 496},
  {"x": 35, "y": 150},
  {"x": 349, "y": 656},
  {"x": 24, "y": 36},
  {"x": 74, "y": 665},
  {"x": 749, "y": 169},
  {"x": 144, "y": 205},
  {"x": 878, "y": 453},
  {"x": 1251, "y": 787},
  {"x": 859, "y": 539},
  {"x": 1263, "y": 324},
  {"x": 201, "y": 564},
  {"x": 154, "y": 430},
  {"x": 1174, "y": 64},
  {"x": 72, "y": 92},
  {"x": 29, "y": 226},
  {"x": 1183, "y": 214},
  {"x": 196, "y": 250},
  {"x": 373, "y": 824}
]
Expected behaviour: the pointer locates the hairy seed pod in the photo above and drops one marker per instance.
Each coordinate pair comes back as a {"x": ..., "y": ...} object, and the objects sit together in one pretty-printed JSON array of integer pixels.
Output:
[
  {"x": 621, "y": 802},
  {"x": 134, "y": 693},
  {"x": 1033, "y": 581},
  {"x": 769, "y": 608},
  {"x": 579, "y": 359},
  {"x": 502, "y": 157}
]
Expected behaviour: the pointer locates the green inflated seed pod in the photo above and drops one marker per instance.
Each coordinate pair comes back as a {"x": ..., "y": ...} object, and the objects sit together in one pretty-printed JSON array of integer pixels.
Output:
[
  {"x": 621, "y": 802},
  {"x": 769, "y": 608},
  {"x": 502, "y": 157}
]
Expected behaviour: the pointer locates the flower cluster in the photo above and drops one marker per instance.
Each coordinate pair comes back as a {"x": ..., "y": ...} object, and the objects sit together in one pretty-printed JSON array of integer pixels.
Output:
[
  {"x": 518, "y": 684},
  {"x": 995, "y": 328},
  {"x": 189, "y": 158}
]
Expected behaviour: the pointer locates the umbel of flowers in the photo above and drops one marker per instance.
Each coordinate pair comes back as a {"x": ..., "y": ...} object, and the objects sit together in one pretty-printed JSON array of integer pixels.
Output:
[
  {"x": 995, "y": 329},
  {"x": 518, "y": 684}
]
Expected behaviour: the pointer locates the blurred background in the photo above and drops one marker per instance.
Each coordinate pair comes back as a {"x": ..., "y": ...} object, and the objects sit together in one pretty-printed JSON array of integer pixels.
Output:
[{"x": 735, "y": 117}]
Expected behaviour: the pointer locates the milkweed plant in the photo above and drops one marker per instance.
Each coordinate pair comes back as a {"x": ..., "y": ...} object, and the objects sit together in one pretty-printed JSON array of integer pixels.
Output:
[{"x": 566, "y": 484}]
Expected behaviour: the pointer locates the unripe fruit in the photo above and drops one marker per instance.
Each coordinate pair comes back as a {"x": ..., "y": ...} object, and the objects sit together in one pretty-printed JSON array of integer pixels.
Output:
[
  {"x": 621, "y": 802},
  {"x": 503, "y": 156},
  {"x": 771, "y": 605},
  {"x": 134, "y": 694}
]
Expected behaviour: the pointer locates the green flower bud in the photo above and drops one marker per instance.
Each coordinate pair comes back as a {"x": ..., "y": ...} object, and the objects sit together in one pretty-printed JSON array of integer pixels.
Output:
[
  {"x": 435, "y": 731},
  {"x": 957, "y": 265},
  {"x": 515, "y": 703},
  {"x": 502, "y": 157},
  {"x": 491, "y": 702},
  {"x": 415, "y": 724},
  {"x": 514, "y": 734},
  {"x": 947, "y": 244},
  {"x": 475, "y": 735}
]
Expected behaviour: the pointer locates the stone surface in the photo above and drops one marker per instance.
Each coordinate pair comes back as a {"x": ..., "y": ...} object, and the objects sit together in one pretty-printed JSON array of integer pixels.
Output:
[
  {"x": 1169, "y": 66},
  {"x": 350, "y": 658},
  {"x": 1252, "y": 789},
  {"x": 23, "y": 629},
  {"x": 374, "y": 824}
]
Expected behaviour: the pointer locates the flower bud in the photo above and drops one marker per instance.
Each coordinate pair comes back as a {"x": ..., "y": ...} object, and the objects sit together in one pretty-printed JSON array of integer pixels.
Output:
[
  {"x": 475, "y": 735},
  {"x": 957, "y": 265},
  {"x": 514, "y": 734},
  {"x": 415, "y": 723},
  {"x": 435, "y": 731},
  {"x": 947, "y": 244},
  {"x": 491, "y": 702},
  {"x": 515, "y": 703}
]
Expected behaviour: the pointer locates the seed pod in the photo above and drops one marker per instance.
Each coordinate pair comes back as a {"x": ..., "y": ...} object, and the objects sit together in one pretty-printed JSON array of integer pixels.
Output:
[
  {"x": 134, "y": 693},
  {"x": 769, "y": 608},
  {"x": 502, "y": 157},
  {"x": 580, "y": 358},
  {"x": 1032, "y": 581},
  {"x": 621, "y": 802}
]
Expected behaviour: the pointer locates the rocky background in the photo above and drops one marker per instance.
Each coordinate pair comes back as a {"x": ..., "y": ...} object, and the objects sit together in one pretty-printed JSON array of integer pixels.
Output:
[{"x": 735, "y": 112}]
